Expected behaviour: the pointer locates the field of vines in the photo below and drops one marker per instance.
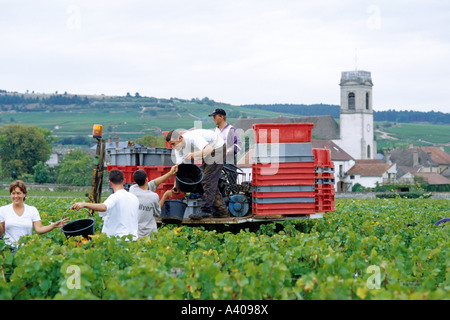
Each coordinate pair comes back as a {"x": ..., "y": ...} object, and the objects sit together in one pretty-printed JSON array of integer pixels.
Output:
[{"x": 367, "y": 249}]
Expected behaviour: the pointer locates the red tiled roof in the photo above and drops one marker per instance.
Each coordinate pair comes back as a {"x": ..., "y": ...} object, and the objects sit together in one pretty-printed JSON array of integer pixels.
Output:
[
  {"x": 336, "y": 152},
  {"x": 433, "y": 178},
  {"x": 437, "y": 154},
  {"x": 369, "y": 169}
]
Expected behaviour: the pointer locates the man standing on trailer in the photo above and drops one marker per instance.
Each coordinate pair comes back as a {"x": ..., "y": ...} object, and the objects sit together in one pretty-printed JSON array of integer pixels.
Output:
[
  {"x": 230, "y": 136},
  {"x": 228, "y": 133},
  {"x": 210, "y": 147}
]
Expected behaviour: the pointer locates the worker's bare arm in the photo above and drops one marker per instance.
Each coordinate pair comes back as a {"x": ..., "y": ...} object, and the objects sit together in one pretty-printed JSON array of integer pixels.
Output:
[{"x": 100, "y": 207}]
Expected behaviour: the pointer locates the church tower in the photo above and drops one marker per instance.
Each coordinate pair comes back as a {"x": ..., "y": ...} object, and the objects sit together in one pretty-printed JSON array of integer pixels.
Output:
[{"x": 356, "y": 115}]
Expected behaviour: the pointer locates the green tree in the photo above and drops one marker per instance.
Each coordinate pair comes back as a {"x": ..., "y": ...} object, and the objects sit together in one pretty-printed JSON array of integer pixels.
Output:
[
  {"x": 152, "y": 141},
  {"x": 22, "y": 147},
  {"x": 75, "y": 169},
  {"x": 41, "y": 173},
  {"x": 357, "y": 187}
]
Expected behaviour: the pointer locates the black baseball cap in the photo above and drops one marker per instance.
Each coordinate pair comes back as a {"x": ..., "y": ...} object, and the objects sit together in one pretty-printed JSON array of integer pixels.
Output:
[{"x": 218, "y": 111}]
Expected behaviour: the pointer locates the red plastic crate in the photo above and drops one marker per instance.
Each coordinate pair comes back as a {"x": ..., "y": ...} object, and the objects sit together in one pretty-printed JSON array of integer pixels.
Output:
[
  {"x": 283, "y": 208},
  {"x": 154, "y": 172},
  {"x": 320, "y": 187},
  {"x": 282, "y": 132},
  {"x": 322, "y": 157},
  {"x": 283, "y": 180},
  {"x": 286, "y": 175},
  {"x": 323, "y": 205},
  {"x": 282, "y": 167},
  {"x": 324, "y": 175},
  {"x": 320, "y": 208},
  {"x": 324, "y": 199},
  {"x": 271, "y": 195},
  {"x": 274, "y": 170},
  {"x": 127, "y": 172},
  {"x": 325, "y": 192},
  {"x": 165, "y": 186}
]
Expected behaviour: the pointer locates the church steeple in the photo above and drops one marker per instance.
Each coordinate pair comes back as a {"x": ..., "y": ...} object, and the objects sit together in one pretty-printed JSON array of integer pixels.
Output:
[
  {"x": 356, "y": 91},
  {"x": 356, "y": 114}
]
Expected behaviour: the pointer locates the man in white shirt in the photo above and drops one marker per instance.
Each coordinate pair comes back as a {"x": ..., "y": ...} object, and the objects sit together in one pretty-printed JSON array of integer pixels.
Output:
[
  {"x": 149, "y": 202},
  {"x": 210, "y": 147},
  {"x": 120, "y": 209}
]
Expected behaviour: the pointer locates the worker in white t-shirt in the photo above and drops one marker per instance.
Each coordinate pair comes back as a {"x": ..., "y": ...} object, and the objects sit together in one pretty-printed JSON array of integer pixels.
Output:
[
  {"x": 119, "y": 210},
  {"x": 210, "y": 147},
  {"x": 18, "y": 219},
  {"x": 149, "y": 202}
]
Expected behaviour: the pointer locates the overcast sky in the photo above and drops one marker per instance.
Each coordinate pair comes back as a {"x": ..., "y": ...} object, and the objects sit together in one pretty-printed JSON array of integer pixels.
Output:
[{"x": 237, "y": 52}]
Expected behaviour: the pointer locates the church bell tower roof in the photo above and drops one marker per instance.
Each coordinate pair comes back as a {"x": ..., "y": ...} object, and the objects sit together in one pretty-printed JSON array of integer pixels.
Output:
[{"x": 357, "y": 77}]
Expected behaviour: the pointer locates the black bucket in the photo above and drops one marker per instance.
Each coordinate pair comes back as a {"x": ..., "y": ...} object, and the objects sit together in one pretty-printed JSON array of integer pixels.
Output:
[
  {"x": 81, "y": 227},
  {"x": 173, "y": 211},
  {"x": 188, "y": 177}
]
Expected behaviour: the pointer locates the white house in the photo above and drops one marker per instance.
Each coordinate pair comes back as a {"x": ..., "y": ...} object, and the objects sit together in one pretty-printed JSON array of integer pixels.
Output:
[{"x": 370, "y": 172}]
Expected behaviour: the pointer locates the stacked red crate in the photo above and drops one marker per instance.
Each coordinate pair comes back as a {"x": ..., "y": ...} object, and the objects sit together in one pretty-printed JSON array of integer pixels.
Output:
[
  {"x": 153, "y": 172},
  {"x": 127, "y": 171},
  {"x": 324, "y": 180},
  {"x": 283, "y": 174}
]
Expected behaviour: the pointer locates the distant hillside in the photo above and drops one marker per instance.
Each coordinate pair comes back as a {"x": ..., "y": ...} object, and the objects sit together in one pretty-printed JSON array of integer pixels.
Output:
[
  {"x": 30, "y": 102},
  {"x": 379, "y": 116},
  {"x": 70, "y": 117}
]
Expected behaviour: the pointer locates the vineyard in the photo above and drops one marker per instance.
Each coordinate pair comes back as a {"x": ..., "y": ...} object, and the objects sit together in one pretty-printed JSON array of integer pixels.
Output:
[{"x": 367, "y": 249}]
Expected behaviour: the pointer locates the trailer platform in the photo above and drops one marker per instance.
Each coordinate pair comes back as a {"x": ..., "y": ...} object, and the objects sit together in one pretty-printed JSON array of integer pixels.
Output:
[{"x": 238, "y": 220}]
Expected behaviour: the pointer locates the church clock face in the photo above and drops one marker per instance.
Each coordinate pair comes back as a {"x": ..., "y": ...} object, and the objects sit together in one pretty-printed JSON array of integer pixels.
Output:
[{"x": 368, "y": 128}]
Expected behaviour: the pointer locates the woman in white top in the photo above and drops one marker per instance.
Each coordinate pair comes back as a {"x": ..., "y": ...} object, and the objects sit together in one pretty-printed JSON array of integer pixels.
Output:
[{"x": 18, "y": 219}]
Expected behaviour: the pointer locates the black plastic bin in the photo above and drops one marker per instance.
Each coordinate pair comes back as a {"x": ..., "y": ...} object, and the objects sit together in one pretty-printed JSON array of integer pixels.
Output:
[
  {"x": 173, "y": 211},
  {"x": 188, "y": 177},
  {"x": 81, "y": 227}
]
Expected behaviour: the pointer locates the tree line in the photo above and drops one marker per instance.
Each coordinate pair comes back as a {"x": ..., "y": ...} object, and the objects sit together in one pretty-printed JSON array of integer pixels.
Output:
[
  {"x": 7, "y": 98},
  {"x": 57, "y": 99},
  {"x": 412, "y": 116}
]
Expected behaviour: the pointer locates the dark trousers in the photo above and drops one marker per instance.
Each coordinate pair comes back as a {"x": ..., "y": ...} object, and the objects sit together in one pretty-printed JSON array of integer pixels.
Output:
[{"x": 212, "y": 201}]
